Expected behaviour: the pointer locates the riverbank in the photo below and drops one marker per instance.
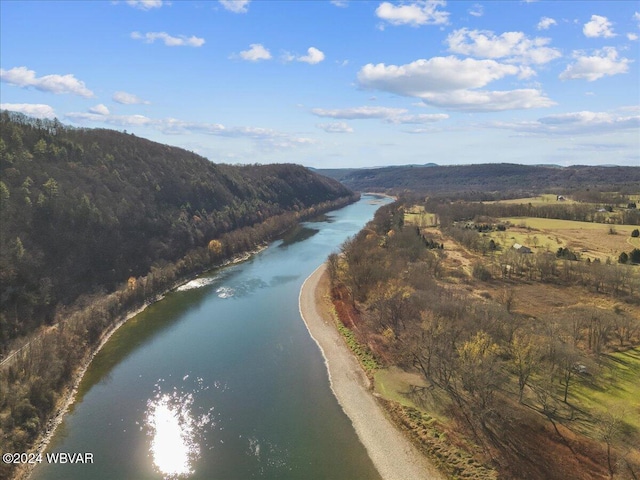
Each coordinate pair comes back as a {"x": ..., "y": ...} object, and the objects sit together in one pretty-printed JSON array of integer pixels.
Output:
[
  {"x": 394, "y": 456},
  {"x": 23, "y": 471}
]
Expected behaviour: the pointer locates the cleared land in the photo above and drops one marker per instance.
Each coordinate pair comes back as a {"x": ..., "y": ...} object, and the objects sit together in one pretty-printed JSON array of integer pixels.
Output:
[
  {"x": 590, "y": 240},
  {"x": 545, "y": 199},
  {"x": 416, "y": 215}
]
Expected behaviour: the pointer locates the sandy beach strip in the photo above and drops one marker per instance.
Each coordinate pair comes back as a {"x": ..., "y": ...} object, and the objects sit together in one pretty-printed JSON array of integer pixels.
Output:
[{"x": 394, "y": 456}]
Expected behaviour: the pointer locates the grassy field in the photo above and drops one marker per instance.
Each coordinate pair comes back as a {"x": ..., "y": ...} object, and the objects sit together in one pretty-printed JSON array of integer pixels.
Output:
[
  {"x": 544, "y": 199},
  {"x": 593, "y": 240},
  {"x": 416, "y": 215},
  {"x": 614, "y": 389},
  {"x": 395, "y": 384}
]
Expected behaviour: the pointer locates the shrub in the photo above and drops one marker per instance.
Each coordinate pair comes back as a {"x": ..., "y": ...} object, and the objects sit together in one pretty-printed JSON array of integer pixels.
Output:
[{"x": 481, "y": 273}]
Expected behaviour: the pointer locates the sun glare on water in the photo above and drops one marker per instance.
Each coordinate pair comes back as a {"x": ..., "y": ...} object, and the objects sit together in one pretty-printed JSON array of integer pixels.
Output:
[{"x": 175, "y": 434}]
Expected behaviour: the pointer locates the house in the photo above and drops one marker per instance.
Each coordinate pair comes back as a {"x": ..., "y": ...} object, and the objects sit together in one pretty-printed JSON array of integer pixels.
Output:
[{"x": 521, "y": 248}]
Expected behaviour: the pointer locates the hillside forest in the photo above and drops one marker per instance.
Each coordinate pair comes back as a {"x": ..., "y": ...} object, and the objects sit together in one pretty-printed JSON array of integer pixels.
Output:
[{"x": 83, "y": 210}]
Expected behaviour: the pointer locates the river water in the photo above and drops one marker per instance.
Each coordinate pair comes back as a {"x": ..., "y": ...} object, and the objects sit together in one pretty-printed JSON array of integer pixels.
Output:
[{"x": 220, "y": 380}]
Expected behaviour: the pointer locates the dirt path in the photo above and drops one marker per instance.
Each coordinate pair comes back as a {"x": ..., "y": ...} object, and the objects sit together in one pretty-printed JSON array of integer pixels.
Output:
[{"x": 392, "y": 453}]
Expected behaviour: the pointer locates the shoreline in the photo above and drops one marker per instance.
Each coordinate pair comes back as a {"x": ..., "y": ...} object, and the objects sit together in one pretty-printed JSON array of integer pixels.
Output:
[
  {"x": 69, "y": 397},
  {"x": 24, "y": 470},
  {"x": 392, "y": 453}
]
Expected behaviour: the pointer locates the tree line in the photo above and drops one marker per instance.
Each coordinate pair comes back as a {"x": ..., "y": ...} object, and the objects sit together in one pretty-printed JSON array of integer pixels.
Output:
[{"x": 492, "y": 181}]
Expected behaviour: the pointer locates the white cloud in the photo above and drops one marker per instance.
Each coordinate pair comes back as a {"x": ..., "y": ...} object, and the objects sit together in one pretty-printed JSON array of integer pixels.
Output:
[
  {"x": 436, "y": 74},
  {"x": 100, "y": 109},
  {"x": 603, "y": 63},
  {"x": 340, "y": 3},
  {"x": 575, "y": 123},
  {"x": 146, "y": 4},
  {"x": 545, "y": 23},
  {"x": 128, "y": 99},
  {"x": 448, "y": 82},
  {"x": 37, "y": 110},
  {"x": 632, "y": 36},
  {"x": 477, "y": 10},
  {"x": 255, "y": 53},
  {"x": 416, "y": 13},
  {"x": 169, "y": 41},
  {"x": 119, "y": 120},
  {"x": 419, "y": 119},
  {"x": 236, "y": 6},
  {"x": 23, "y": 77},
  {"x": 513, "y": 46},
  {"x": 312, "y": 57},
  {"x": 335, "y": 127},
  {"x": 359, "y": 112},
  {"x": 598, "y": 27},
  {"x": 266, "y": 139},
  {"x": 636, "y": 17},
  {"x": 388, "y": 114},
  {"x": 489, "y": 101}
]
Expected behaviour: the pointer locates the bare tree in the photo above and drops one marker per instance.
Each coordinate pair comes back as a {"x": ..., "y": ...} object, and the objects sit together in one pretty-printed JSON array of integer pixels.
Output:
[
  {"x": 526, "y": 357},
  {"x": 610, "y": 428}
]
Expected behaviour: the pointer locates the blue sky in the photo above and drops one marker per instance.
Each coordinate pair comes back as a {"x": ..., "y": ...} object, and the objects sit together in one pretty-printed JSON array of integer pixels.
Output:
[{"x": 347, "y": 83}]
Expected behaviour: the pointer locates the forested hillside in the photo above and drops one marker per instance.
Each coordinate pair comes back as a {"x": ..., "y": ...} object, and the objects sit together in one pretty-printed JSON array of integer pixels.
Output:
[
  {"x": 83, "y": 210},
  {"x": 482, "y": 179}
]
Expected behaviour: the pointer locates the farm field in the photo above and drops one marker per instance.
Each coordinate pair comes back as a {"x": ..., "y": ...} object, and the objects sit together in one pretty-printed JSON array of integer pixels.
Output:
[
  {"x": 416, "y": 215},
  {"x": 545, "y": 199},
  {"x": 591, "y": 240}
]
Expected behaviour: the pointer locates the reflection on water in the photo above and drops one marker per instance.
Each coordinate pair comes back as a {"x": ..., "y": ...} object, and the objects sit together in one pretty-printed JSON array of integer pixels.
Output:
[
  {"x": 176, "y": 432},
  {"x": 297, "y": 234},
  {"x": 282, "y": 279},
  {"x": 271, "y": 457}
]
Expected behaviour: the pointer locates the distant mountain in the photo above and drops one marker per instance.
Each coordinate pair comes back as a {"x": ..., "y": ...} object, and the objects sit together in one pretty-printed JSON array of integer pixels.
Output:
[
  {"x": 487, "y": 178},
  {"x": 83, "y": 210}
]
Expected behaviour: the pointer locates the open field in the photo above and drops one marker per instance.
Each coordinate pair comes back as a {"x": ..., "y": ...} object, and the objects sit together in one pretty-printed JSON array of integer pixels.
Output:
[
  {"x": 592, "y": 240},
  {"x": 417, "y": 216},
  {"x": 545, "y": 199},
  {"x": 395, "y": 384},
  {"x": 613, "y": 388}
]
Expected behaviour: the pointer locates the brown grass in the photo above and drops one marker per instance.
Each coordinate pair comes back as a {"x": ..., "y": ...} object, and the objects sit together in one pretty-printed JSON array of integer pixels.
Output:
[{"x": 591, "y": 240}]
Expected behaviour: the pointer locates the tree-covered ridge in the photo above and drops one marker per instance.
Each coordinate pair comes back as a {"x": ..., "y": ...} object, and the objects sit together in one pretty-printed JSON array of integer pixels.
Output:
[
  {"x": 84, "y": 209},
  {"x": 486, "y": 178}
]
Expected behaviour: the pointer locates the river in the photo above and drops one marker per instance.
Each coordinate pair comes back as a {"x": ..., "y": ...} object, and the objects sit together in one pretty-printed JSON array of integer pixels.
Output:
[{"x": 219, "y": 380}]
